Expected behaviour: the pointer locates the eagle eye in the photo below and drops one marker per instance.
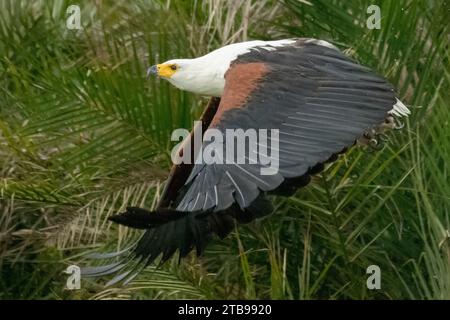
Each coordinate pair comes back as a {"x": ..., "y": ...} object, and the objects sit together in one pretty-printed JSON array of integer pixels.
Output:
[{"x": 174, "y": 67}]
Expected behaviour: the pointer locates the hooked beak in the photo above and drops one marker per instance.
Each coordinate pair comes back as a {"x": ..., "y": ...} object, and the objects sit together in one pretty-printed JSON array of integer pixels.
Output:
[{"x": 152, "y": 70}]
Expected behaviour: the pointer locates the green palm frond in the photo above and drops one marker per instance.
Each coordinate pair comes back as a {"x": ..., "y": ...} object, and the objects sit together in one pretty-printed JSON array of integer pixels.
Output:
[{"x": 83, "y": 134}]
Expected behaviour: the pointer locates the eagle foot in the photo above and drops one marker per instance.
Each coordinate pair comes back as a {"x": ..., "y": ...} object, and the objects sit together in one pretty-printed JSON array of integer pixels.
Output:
[
  {"x": 398, "y": 124},
  {"x": 376, "y": 144}
]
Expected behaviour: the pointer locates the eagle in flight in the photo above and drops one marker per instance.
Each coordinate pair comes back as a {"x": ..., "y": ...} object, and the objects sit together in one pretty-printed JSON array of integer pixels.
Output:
[{"x": 320, "y": 101}]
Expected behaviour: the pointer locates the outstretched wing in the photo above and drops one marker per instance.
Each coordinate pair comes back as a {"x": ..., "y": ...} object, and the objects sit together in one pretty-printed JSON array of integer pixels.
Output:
[{"x": 318, "y": 99}]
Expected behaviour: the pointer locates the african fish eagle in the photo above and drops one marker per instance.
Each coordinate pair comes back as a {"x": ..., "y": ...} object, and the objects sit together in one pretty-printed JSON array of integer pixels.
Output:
[{"x": 321, "y": 101}]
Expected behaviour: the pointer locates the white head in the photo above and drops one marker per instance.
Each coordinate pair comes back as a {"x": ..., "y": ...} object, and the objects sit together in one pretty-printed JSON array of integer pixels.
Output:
[
  {"x": 194, "y": 75},
  {"x": 206, "y": 75}
]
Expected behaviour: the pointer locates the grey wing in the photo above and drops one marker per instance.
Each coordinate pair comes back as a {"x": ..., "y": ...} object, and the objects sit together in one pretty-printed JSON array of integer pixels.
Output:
[{"x": 319, "y": 100}]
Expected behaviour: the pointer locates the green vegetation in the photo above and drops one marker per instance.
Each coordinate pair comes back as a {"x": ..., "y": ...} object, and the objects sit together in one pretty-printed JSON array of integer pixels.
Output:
[{"x": 83, "y": 134}]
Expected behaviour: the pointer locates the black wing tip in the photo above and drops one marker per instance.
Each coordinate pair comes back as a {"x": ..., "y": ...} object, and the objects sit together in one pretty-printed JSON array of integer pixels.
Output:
[
  {"x": 140, "y": 218},
  {"x": 173, "y": 232}
]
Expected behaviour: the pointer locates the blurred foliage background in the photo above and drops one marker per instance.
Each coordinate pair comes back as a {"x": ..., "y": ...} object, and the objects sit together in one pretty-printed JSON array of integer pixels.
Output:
[{"x": 83, "y": 134}]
